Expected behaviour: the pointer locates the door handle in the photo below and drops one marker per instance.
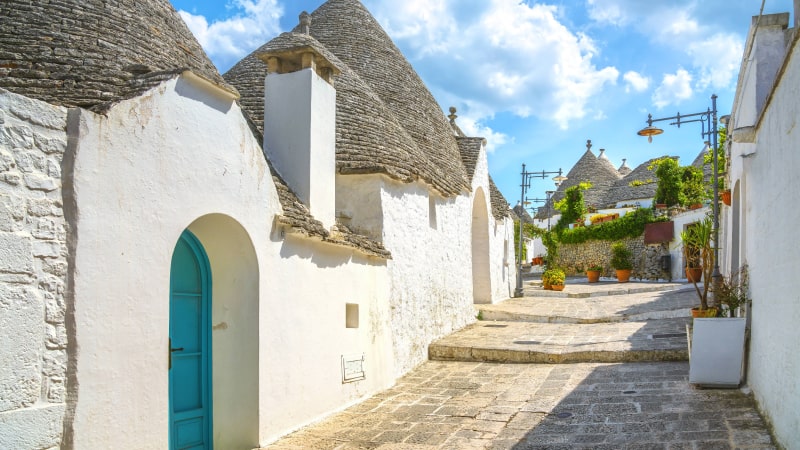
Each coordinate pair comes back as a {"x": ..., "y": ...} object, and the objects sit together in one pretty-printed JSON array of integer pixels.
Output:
[{"x": 169, "y": 354}]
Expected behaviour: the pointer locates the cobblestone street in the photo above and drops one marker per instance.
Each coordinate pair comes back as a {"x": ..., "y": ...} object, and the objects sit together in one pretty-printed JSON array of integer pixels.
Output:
[{"x": 598, "y": 405}]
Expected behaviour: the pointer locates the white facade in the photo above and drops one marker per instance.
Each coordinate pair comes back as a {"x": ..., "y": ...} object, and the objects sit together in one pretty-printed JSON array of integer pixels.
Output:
[
  {"x": 86, "y": 270},
  {"x": 142, "y": 174},
  {"x": 760, "y": 224},
  {"x": 434, "y": 276}
]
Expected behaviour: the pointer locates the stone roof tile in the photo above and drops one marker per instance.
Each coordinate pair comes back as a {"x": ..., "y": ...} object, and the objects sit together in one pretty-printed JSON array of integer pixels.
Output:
[
  {"x": 600, "y": 172},
  {"x": 350, "y": 32},
  {"x": 91, "y": 52},
  {"x": 500, "y": 208}
]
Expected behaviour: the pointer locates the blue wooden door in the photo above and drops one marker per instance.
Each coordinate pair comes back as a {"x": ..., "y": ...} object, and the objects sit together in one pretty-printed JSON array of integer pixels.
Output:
[{"x": 190, "y": 346}]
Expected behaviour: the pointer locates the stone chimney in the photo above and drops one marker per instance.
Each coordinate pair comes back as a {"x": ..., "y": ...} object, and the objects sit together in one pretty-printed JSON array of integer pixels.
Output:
[{"x": 300, "y": 122}]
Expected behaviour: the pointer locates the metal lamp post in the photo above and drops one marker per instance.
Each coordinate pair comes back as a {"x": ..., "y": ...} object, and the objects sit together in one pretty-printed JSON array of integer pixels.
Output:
[
  {"x": 708, "y": 121},
  {"x": 526, "y": 183}
]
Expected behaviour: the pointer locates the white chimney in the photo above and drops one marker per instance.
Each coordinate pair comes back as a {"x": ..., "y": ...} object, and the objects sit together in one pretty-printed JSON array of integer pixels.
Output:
[{"x": 300, "y": 125}]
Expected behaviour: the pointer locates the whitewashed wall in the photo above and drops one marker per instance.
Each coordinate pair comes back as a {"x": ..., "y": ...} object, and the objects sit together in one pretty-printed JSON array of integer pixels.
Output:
[
  {"x": 33, "y": 250},
  {"x": 503, "y": 276},
  {"x": 183, "y": 156},
  {"x": 680, "y": 222},
  {"x": 766, "y": 172},
  {"x": 430, "y": 272}
]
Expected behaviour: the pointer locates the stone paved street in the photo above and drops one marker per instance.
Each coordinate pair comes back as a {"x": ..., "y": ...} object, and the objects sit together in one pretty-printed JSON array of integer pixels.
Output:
[{"x": 467, "y": 403}]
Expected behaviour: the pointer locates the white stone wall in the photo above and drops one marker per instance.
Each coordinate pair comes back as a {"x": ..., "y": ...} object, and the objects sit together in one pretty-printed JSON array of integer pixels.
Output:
[
  {"x": 33, "y": 265},
  {"x": 766, "y": 172},
  {"x": 503, "y": 274},
  {"x": 182, "y": 156},
  {"x": 430, "y": 273}
]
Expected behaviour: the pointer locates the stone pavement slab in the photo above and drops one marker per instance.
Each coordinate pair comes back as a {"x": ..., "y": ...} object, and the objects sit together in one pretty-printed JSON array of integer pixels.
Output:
[
  {"x": 670, "y": 301},
  {"x": 468, "y": 405},
  {"x": 526, "y": 342}
]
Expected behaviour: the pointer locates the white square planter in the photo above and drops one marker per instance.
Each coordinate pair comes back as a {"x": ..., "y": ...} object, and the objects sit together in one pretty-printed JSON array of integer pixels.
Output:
[{"x": 716, "y": 352}]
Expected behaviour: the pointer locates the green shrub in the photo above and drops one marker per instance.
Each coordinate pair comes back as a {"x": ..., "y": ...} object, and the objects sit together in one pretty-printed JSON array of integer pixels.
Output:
[
  {"x": 554, "y": 276},
  {"x": 630, "y": 225},
  {"x": 621, "y": 257}
]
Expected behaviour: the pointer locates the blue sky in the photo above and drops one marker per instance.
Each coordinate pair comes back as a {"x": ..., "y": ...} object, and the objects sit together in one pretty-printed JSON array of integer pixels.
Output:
[{"x": 539, "y": 78}]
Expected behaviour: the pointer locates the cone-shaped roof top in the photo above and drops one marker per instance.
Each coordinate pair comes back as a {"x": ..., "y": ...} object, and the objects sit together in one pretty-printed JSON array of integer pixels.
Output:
[
  {"x": 90, "y": 52},
  {"x": 640, "y": 183},
  {"x": 624, "y": 169},
  {"x": 600, "y": 172},
  {"x": 350, "y": 32}
]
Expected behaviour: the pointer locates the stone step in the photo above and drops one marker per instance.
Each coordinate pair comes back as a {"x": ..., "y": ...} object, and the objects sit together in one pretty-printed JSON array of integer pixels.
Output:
[
  {"x": 525, "y": 342},
  {"x": 651, "y": 305}
]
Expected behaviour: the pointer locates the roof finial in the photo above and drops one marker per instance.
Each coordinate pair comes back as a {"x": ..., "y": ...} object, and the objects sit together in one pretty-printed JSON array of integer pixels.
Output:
[
  {"x": 452, "y": 115},
  {"x": 588, "y": 145},
  {"x": 305, "y": 23}
]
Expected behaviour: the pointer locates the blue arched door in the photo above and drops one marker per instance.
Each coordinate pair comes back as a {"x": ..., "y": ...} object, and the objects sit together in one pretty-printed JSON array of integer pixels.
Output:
[{"x": 190, "y": 346}]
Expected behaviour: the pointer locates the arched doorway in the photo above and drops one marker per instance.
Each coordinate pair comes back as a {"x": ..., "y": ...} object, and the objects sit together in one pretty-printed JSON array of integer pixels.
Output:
[
  {"x": 190, "y": 390},
  {"x": 481, "y": 281},
  {"x": 234, "y": 330}
]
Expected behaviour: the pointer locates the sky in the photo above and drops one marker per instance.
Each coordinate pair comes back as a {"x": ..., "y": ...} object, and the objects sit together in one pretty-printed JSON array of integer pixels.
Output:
[{"x": 538, "y": 79}]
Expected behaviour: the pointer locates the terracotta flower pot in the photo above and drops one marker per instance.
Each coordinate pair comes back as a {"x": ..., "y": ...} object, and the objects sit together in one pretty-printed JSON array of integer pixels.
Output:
[
  {"x": 694, "y": 274},
  {"x": 725, "y": 196},
  {"x": 593, "y": 275},
  {"x": 623, "y": 275},
  {"x": 707, "y": 313},
  {"x": 557, "y": 287},
  {"x": 546, "y": 286}
]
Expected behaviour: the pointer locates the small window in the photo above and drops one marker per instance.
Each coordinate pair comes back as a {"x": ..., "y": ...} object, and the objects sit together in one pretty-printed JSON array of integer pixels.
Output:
[{"x": 351, "y": 315}]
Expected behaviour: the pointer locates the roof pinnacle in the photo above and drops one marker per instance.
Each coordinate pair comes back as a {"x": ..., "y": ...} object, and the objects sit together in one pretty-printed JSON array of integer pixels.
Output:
[
  {"x": 305, "y": 23},
  {"x": 452, "y": 115},
  {"x": 588, "y": 145}
]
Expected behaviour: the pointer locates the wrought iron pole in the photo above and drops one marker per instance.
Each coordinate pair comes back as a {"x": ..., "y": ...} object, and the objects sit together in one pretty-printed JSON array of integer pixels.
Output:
[
  {"x": 518, "y": 290},
  {"x": 715, "y": 276}
]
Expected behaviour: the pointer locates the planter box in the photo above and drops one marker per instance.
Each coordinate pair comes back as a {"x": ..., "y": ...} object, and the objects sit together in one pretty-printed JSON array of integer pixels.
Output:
[{"x": 716, "y": 352}]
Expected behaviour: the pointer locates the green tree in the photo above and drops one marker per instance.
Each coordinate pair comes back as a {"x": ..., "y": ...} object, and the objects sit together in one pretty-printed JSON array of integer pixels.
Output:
[
  {"x": 572, "y": 206},
  {"x": 693, "y": 188},
  {"x": 669, "y": 190},
  {"x": 708, "y": 160}
]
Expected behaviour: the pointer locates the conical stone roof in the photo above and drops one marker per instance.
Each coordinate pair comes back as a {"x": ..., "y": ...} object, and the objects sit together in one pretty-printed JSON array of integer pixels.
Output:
[
  {"x": 600, "y": 172},
  {"x": 640, "y": 183},
  {"x": 349, "y": 31},
  {"x": 89, "y": 52}
]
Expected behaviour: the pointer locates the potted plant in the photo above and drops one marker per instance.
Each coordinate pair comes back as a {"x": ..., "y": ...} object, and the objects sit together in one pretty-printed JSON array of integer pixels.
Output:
[
  {"x": 725, "y": 196},
  {"x": 697, "y": 246},
  {"x": 621, "y": 261},
  {"x": 716, "y": 350},
  {"x": 691, "y": 255},
  {"x": 554, "y": 278},
  {"x": 593, "y": 273}
]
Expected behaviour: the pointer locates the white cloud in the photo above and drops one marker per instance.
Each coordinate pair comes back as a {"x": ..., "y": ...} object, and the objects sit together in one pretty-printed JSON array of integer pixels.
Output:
[
  {"x": 674, "y": 89},
  {"x": 635, "y": 82},
  {"x": 227, "y": 41},
  {"x": 472, "y": 127},
  {"x": 505, "y": 55},
  {"x": 718, "y": 59},
  {"x": 607, "y": 12}
]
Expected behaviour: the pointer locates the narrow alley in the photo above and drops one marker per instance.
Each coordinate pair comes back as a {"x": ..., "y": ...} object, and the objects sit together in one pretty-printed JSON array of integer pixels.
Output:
[{"x": 600, "y": 366}]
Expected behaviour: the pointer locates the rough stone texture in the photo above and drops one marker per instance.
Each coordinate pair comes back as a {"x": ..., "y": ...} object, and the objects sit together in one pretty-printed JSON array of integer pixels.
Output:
[
  {"x": 33, "y": 428},
  {"x": 386, "y": 120},
  {"x": 575, "y": 258},
  {"x": 469, "y": 405},
  {"x": 599, "y": 171},
  {"x": 622, "y": 191},
  {"x": 32, "y": 272},
  {"x": 86, "y": 53}
]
